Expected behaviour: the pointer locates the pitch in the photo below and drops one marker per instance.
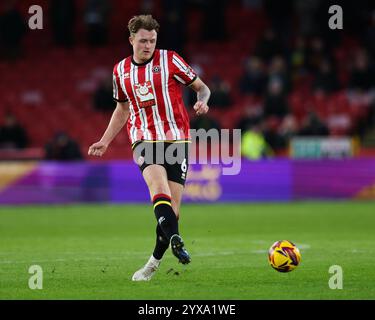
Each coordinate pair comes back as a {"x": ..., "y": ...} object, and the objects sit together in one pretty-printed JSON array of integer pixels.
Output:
[{"x": 91, "y": 251}]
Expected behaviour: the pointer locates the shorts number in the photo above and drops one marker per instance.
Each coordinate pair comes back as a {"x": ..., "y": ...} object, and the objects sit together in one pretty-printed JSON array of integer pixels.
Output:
[{"x": 184, "y": 166}]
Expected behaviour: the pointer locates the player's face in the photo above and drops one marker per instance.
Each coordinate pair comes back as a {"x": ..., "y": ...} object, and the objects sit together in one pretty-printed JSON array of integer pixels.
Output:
[{"x": 144, "y": 43}]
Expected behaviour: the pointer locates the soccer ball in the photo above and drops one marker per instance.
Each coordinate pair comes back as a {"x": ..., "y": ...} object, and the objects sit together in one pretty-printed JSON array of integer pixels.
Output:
[{"x": 284, "y": 256}]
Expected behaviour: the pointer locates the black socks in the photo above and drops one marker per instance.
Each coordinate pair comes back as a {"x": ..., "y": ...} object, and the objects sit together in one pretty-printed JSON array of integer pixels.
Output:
[
  {"x": 161, "y": 245},
  {"x": 165, "y": 215},
  {"x": 167, "y": 224}
]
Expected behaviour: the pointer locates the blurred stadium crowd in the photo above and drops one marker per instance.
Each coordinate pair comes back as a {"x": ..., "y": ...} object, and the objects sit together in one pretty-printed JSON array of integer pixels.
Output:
[{"x": 275, "y": 69}]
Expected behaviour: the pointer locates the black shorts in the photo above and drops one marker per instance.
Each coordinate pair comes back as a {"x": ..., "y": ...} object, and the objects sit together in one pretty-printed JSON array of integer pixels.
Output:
[{"x": 172, "y": 155}]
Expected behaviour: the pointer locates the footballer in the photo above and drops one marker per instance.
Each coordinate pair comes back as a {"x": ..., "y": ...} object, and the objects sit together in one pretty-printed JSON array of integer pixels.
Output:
[{"x": 147, "y": 89}]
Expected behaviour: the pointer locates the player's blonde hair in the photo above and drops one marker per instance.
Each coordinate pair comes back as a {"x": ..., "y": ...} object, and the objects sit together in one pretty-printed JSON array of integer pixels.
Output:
[{"x": 142, "y": 21}]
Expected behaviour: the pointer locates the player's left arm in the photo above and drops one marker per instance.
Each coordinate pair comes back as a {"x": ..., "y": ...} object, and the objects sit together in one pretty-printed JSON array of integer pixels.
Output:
[{"x": 203, "y": 95}]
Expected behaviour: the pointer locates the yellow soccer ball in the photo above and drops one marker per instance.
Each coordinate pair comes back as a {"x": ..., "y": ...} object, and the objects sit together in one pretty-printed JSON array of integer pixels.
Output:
[{"x": 284, "y": 256}]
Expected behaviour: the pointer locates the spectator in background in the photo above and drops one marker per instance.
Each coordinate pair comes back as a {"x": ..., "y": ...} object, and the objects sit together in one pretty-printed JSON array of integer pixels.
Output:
[
  {"x": 96, "y": 18},
  {"x": 63, "y": 13},
  {"x": 220, "y": 93},
  {"x": 361, "y": 91},
  {"x": 275, "y": 103},
  {"x": 362, "y": 76},
  {"x": 12, "y": 30},
  {"x": 253, "y": 81},
  {"x": 288, "y": 129},
  {"x": 12, "y": 134},
  {"x": 278, "y": 72},
  {"x": 313, "y": 126},
  {"x": 271, "y": 133},
  {"x": 326, "y": 79},
  {"x": 268, "y": 46},
  {"x": 316, "y": 53},
  {"x": 298, "y": 57},
  {"x": 63, "y": 148},
  {"x": 103, "y": 97},
  {"x": 253, "y": 144}
]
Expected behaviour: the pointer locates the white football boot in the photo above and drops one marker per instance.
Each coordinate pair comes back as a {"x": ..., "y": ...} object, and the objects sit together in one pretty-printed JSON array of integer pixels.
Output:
[{"x": 146, "y": 273}]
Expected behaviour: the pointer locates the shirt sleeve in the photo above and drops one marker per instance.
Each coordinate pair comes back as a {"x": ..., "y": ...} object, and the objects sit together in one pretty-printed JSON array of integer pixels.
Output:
[
  {"x": 118, "y": 94},
  {"x": 183, "y": 73}
]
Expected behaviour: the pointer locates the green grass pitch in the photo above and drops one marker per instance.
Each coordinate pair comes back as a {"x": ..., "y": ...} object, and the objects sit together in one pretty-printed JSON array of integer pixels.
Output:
[{"x": 91, "y": 251}]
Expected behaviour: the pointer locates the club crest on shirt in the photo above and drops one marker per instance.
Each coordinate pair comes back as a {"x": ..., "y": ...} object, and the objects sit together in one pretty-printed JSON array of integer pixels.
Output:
[
  {"x": 145, "y": 94},
  {"x": 156, "y": 69}
]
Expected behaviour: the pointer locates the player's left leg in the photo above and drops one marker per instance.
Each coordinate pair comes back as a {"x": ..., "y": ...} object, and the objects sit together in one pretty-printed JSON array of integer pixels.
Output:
[
  {"x": 177, "y": 244},
  {"x": 155, "y": 177},
  {"x": 162, "y": 242},
  {"x": 177, "y": 172},
  {"x": 167, "y": 230}
]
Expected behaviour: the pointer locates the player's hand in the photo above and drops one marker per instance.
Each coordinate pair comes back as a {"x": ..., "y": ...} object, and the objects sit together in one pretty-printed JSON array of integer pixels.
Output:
[
  {"x": 97, "y": 149},
  {"x": 200, "y": 108}
]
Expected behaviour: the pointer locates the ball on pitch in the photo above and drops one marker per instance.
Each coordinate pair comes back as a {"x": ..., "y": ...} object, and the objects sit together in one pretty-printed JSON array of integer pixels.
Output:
[{"x": 284, "y": 256}]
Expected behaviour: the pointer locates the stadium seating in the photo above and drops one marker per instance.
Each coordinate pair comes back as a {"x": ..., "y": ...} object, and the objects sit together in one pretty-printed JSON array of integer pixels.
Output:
[{"x": 51, "y": 88}]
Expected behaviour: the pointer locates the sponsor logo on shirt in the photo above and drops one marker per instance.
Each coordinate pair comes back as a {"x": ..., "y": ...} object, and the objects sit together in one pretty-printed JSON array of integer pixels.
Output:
[{"x": 145, "y": 94}]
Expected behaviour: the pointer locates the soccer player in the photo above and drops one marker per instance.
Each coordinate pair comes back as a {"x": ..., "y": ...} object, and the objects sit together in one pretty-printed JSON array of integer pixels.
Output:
[{"x": 147, "y": 85}]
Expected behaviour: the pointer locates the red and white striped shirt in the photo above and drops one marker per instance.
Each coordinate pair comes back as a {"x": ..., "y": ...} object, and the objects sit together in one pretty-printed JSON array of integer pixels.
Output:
[{"x": 153, "y": 90}]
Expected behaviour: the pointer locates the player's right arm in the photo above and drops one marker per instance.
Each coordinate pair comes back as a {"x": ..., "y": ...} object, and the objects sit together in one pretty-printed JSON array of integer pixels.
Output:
[{"x": 117, "y": 122}]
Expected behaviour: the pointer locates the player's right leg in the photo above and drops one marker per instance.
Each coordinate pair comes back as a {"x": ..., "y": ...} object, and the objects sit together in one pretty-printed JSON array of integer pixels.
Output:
[
  {"x": 167, "y": 229},
  {"x": 156, "y": 180},
  {"x": 167, "y": 219}
]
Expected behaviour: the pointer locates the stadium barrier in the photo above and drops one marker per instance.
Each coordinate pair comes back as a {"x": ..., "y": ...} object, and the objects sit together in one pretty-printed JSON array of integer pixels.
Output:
[{"x": 121, "y": 182}]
